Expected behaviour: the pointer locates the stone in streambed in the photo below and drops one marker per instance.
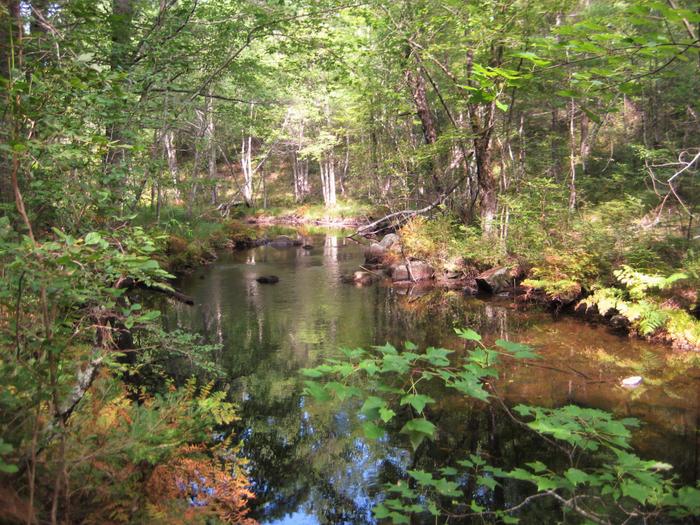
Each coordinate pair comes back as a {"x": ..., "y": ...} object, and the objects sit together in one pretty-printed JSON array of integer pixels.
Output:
[
  {"x": 268, "y": 279},
  {"x": 497, "y": 280},
  {"x": 284, "y": 241},
  {"x": 419, "y": 271}
]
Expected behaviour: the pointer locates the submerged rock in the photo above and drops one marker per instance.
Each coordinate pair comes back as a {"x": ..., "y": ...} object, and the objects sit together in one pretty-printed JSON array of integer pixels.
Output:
[{"x": 268, "y": 279}]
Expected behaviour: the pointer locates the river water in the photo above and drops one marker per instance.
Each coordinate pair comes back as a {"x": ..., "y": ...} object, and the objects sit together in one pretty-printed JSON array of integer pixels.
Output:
[{"x": 310, "y": 462}]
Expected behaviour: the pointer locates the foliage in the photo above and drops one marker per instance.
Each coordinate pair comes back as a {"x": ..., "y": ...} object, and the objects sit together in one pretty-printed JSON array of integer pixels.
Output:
[
  {"x": 601, "y": 479},
  {"x": 74, "y": 329},
  {"x": 159, "y": 450},
  {"x": 641, "y": 304}
]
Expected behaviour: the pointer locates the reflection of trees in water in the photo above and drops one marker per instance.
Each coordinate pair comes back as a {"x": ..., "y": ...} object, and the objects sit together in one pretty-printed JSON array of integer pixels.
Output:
[{"x": 304, "y": 456}]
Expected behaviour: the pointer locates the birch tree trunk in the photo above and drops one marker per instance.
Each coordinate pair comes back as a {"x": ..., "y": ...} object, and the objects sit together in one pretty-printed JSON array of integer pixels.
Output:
[
  {"x": 328, "y": 185},
  {"x": 171, "y": 157},
  {"x": 247, "y": 168},
  {"x": 211, "y": 146},
  {"x": 572, "y": 156},
  {"x": 300, "y": 168}
]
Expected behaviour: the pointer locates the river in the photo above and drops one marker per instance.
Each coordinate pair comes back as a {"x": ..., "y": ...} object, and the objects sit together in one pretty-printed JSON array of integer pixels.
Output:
[{"x": 309, "y": 461}]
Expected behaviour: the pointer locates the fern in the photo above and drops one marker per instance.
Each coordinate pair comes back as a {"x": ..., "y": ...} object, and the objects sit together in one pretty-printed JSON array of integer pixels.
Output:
[
  {"x": 651, "y": 318},
  {"x": 638, "y": 284}
]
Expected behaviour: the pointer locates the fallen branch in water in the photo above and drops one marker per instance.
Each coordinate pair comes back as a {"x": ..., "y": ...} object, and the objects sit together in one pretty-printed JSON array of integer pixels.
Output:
[{"x": 399, "y": 217}]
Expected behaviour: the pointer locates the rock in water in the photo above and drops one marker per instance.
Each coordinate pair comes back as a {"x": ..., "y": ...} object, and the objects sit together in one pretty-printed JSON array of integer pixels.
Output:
[
  {"x": 632, "y": 381},
  {"x": 389, "y": 240},
  {"x": 497, "y": 280},
  {"x": 375, "y": 253},
  {"x": 283, "y": 241},
  {"x": 420, "y": 271},
  {"x": 268, "y": 279}
]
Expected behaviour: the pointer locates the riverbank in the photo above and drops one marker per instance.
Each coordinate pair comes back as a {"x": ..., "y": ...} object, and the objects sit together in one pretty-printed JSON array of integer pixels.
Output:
[{"x": 651, "y": 306}]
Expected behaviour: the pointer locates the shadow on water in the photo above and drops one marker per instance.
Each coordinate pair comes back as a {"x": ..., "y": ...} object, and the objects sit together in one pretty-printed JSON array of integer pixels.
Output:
[{"x": 310, "y": 462}]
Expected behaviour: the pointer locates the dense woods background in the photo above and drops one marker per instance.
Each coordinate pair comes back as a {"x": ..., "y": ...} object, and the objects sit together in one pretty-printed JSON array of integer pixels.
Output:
[{"x": 564, "y": 135}]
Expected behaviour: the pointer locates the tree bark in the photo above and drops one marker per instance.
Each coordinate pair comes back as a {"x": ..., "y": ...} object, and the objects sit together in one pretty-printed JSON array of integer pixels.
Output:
[
  {"x": 211, "y": 146},
  {"x": 120, "y": 31},
  {"x": 10, "y": 36}
]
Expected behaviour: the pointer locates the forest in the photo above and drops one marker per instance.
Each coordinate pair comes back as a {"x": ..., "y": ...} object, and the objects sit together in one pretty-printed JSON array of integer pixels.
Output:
[{"x": 548, "y": 151}]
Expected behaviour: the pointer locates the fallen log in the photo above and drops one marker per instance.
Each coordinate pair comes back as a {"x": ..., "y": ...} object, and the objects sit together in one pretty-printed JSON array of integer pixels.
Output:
[{"x": 397, "y": 218}]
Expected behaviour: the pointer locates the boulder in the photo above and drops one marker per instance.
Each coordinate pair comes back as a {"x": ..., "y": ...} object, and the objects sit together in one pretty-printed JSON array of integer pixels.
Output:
[
  {"x": 389, "y": 240},
  {"x": 420, "y": 271},
  {"x": 497, "y": 280},
  {"x": 619, "y": 323},
  {"x": 268, "y": 279},
  {"x": 375, "y": 253},
  {"x": 283, "y": 241}
]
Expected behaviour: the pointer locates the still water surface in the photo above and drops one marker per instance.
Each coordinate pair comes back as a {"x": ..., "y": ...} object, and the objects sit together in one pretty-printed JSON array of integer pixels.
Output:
[{"x": 310, "y": 462}]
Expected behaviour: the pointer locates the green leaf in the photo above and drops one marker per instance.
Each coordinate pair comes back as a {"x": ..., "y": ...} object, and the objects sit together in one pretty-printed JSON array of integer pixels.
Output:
[
  {"x": 417, "y": 401},
  {"x": 93, "y": 238},
  {"x": 468, "y": 334},
  {"x": 316, "y": 391},
  {"x": 519, "y": 351},
  {"x": 422, "y": 477},
  {"x": 437, "y": 356},
  {"x": 417, "y": 430},
  {"x": 576, "y": 476},
  {"x": 387, "y": 349},
  {"x": 532, "y": 57},
  {"x": 386, "y": 414},
  {"x": 636, "y": 490},
  {"x": 371, "y": 406}
]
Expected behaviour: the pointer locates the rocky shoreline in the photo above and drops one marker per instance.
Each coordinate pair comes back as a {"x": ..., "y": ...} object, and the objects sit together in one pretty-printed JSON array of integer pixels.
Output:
[{"x": 386, "y": 261}]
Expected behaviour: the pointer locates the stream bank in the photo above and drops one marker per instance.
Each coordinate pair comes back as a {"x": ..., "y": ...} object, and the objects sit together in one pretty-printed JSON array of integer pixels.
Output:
[{"x": 673, "y": 321}]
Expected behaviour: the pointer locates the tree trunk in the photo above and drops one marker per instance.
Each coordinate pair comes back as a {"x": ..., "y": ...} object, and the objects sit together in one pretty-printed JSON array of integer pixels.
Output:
[
  {"x": 211, "y": 146},
  {"x": 120, "y": 30},
  {"x": 572, "y": 156},
  {"x": 10, "y": 34},
  {"x": 247, "y": 168},
  {"x": 328, "y": 186},
  {"x": 416, "y": 83},
  {"x": 482, "y": 129},
  {"x": 171, "y": 157},
  {"x": 300, "y": 168}
]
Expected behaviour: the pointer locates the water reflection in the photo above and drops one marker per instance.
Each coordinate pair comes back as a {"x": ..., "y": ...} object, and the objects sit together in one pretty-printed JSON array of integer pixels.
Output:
[{"x": 310, "y": 462}]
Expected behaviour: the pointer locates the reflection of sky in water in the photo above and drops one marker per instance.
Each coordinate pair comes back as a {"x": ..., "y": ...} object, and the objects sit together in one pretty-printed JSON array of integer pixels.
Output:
[
  {"x": 309, "y": 461},
  {"x": 298, "y": 518}
]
